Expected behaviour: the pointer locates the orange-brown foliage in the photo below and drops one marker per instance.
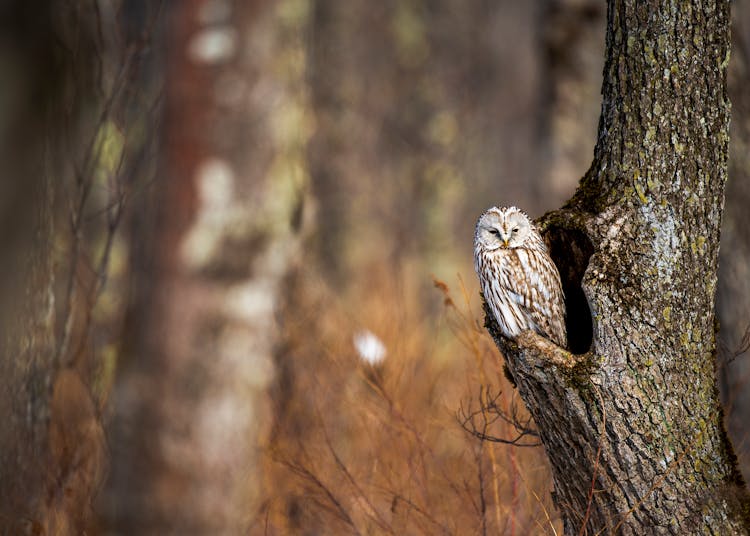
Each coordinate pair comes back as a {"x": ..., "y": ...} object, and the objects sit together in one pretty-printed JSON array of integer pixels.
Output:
[{"x": 378, "y": 449}]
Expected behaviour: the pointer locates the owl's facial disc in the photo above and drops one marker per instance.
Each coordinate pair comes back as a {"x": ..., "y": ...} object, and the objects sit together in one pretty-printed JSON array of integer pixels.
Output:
[{"x": 503, "y": 229}]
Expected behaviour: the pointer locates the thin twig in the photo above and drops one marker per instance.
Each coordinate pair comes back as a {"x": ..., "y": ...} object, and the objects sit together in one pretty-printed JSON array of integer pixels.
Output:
[
  {"x": 421, "y": 511},
  {"x": 482, "y": 502},
  {"x": 490, "y": 412},
  {"x": 339, "y": 511},
  {"x": 540, "y": 503},
  {"x": 378, "y": 518}
]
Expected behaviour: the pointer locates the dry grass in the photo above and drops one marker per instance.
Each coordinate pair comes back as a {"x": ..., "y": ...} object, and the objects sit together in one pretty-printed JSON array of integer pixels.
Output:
[{"x": 363, "y": 449}]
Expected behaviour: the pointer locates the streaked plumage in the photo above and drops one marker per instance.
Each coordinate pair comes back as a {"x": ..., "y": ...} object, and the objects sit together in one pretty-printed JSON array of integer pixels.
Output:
[{"x": 520, "y": 282}]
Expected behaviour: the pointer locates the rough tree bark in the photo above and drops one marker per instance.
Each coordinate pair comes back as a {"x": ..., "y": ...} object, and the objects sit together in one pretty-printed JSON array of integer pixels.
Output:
[{"x": 630, "y": 418}]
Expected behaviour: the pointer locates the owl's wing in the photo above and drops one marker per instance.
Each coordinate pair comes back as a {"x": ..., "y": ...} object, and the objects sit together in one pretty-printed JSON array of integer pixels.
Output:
[{"x": 539, "y": 294}]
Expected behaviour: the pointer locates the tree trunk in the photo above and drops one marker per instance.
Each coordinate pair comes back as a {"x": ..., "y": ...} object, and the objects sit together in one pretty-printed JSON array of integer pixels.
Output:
[
  {"x": 633, "y": 427},
  {"x": 570, "y": 41},
  {"x": 51, "y": 442},
  {"x": 190, "y": 399}
]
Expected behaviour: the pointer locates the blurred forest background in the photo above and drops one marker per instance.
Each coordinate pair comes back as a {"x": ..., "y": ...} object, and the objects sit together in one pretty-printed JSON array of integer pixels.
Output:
[{"x": 238, "y": 294}]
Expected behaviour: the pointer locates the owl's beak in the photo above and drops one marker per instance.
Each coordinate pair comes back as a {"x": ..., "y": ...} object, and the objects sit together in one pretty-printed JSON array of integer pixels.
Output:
[{"x": 505, "y": 243}]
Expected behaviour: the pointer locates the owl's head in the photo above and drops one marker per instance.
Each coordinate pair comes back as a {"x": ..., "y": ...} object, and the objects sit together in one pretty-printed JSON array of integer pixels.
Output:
[{"x": 507, "y": 227}]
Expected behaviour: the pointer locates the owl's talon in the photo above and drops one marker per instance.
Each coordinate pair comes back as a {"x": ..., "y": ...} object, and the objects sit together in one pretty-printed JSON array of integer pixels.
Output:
[{"x": 547, "y": 350}]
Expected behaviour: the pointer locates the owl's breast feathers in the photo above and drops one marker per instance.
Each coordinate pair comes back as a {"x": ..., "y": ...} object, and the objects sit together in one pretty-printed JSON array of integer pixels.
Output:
[{"x": 522, "y": 288}]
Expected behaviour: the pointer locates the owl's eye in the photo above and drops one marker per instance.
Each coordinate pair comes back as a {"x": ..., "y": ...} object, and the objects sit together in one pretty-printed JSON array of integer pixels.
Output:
[
  {"x": 514, "y": 230},
  {"x": 495, "y": 232}
]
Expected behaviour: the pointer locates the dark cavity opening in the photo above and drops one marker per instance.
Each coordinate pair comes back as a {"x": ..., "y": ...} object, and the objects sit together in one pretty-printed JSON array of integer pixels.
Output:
[{"x": 571, "y": 250}]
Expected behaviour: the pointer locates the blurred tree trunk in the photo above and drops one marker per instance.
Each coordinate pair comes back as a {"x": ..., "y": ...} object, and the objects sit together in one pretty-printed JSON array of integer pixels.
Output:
[
  {"x": 633, "y": 428},
  {"x": 227, "y": 214},
  {"x": 733, "y": 297},
  {"x": 571, "y": 42},
  {"x": 51, "y": 449}
]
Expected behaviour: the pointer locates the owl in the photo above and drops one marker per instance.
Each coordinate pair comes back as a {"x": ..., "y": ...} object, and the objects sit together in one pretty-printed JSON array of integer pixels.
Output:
[{"x": 519, "y": 280}]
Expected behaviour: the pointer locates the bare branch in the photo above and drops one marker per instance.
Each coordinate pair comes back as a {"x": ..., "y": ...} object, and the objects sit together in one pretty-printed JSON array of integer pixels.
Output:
[
  {"x": 478, "y": 422},
  {"x": 336, "y": 507}
]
